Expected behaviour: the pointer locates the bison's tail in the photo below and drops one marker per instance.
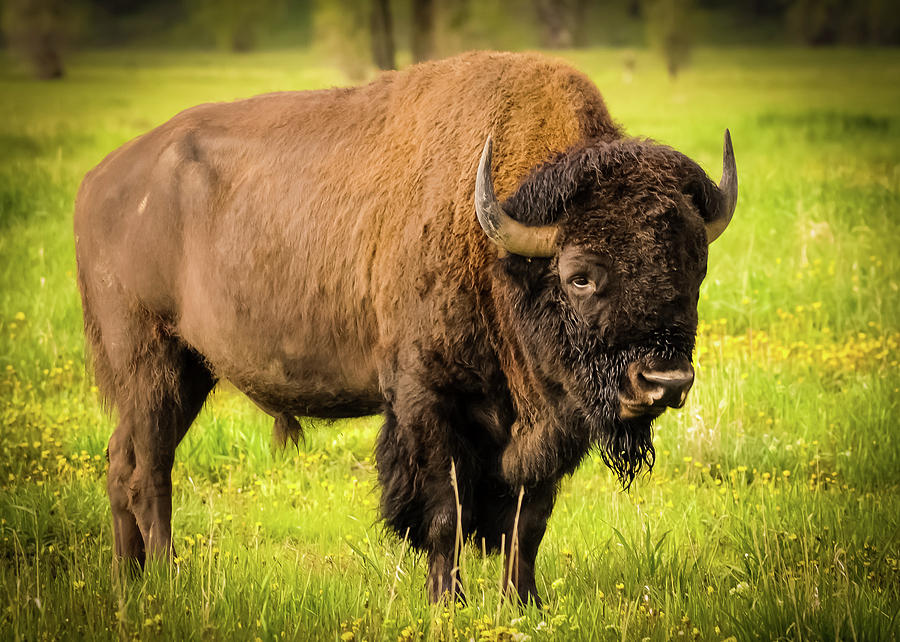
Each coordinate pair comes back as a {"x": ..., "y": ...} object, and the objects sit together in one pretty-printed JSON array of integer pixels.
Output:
[
  {"x": 286, "y": 425},
  {"x": 96, "y": 360}
]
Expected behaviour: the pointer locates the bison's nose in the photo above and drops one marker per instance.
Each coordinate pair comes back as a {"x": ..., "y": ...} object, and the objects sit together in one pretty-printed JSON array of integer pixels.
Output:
[
  {"x": 649, "y": 391},
  {"x": 667, "y": 387}
]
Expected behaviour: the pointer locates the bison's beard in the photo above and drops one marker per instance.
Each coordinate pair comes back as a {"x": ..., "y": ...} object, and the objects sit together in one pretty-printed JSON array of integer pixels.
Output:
[
  {"x": 580, "y": 376},
  {"x": 626, "y": 445}
]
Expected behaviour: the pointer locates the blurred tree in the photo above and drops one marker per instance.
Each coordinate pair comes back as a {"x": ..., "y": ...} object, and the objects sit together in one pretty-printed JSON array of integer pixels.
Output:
[
  {"x": 580, "y": 26},
  {"x": 422, "y": 30},
  {"x": 40, "y": 31},
  {"x": 669, "y": 31},
  {"x": 382, "y": 34},
  {"x": 455, "y": 14},
  {"x": 128, "y": 7},
  {"x": 883, "y": 22},
  {"x": 560, "y": 22},
  {"x": 492, "y": 24},
  {"x": 234, "y": 24},
  {"x": 759, "y": 8},
  {"x": 815, "y": 22},
  {"x": 828, "y": 22},
  {"x": 343, "y": 29},
  {"x": 453, "y": 27}
]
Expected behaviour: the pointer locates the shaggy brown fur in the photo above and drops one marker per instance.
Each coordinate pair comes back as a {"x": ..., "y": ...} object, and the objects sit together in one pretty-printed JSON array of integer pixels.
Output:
[{"x": 320, "y": 250}]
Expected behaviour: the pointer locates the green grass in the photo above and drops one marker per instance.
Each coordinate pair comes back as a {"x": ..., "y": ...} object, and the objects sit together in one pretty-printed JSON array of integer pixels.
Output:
[{"x": 773, "y": 511}]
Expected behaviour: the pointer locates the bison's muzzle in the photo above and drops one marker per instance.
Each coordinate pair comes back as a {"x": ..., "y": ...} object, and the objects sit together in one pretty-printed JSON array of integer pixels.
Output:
[{"x": 651, "y": 390}]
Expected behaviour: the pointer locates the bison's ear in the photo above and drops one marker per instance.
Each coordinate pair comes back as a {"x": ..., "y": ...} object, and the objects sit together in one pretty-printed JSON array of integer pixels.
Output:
[{"x": 715, "y": 203}]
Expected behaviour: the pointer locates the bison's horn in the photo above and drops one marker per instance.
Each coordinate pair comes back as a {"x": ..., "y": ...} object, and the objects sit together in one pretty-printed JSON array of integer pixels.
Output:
[
  {"x": 502, "y": 229},
  {"x": 728, "y": 187}
]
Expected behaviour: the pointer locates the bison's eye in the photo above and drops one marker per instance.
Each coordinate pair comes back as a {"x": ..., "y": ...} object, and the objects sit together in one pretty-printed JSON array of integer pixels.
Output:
[
  {"x": 584, "y": 277},
  {"x": 583, "y": 283}
]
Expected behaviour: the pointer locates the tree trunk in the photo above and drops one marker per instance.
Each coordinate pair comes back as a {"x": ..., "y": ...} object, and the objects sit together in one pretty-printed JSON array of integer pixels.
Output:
[
  {"x": 422, "y": 30},
  {"x": 555, "y": 19},
  {"x": 382, "y": 34},
  {"x": 45, "y": 57},
  {"x": 580, "y": 26},
  {"x": 37, "y": 30}
]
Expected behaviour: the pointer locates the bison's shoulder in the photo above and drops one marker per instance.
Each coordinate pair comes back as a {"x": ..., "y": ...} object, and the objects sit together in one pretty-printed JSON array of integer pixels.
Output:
[{"x": 526, "y": 86}]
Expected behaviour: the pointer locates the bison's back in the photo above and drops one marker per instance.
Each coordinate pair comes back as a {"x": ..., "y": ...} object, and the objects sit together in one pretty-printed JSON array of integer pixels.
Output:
[{"x": 296, "y": 239}]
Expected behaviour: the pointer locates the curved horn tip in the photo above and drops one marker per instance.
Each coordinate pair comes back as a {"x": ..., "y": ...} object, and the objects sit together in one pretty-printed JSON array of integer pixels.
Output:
[
  {"x": 728, "y": 187},
  {"x": 486, "y": 161},
  {"x": 729, "y": 170},
  {"x": 487, "y": 156},
  {"x": 485, "y": 198}
]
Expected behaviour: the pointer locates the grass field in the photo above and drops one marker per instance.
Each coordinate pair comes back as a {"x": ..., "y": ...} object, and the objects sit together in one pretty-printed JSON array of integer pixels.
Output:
[{"x": 773, "y": 511}]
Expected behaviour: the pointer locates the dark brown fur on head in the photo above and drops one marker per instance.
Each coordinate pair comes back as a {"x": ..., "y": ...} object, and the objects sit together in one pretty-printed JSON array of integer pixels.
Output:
[{"x": 641, "y": 208}]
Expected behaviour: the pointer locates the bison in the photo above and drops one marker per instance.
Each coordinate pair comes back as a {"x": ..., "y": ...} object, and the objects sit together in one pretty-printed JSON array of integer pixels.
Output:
[{"x": 471, "y": 247}]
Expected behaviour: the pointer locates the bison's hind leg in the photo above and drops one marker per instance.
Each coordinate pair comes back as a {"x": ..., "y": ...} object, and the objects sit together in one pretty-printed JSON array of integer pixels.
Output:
[{"x": 159, "y": 389}]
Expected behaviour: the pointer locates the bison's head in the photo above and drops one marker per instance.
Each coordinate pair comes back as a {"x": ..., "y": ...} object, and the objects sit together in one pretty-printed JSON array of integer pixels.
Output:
[{"x": 603, "y": 252}]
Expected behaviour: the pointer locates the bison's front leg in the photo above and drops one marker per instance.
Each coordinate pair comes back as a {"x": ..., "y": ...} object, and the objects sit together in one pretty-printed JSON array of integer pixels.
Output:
[
  {"x": 525, "y": 527},
  {"x": 443, "y": 570},
  {"x": 418, "y": 496}
]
